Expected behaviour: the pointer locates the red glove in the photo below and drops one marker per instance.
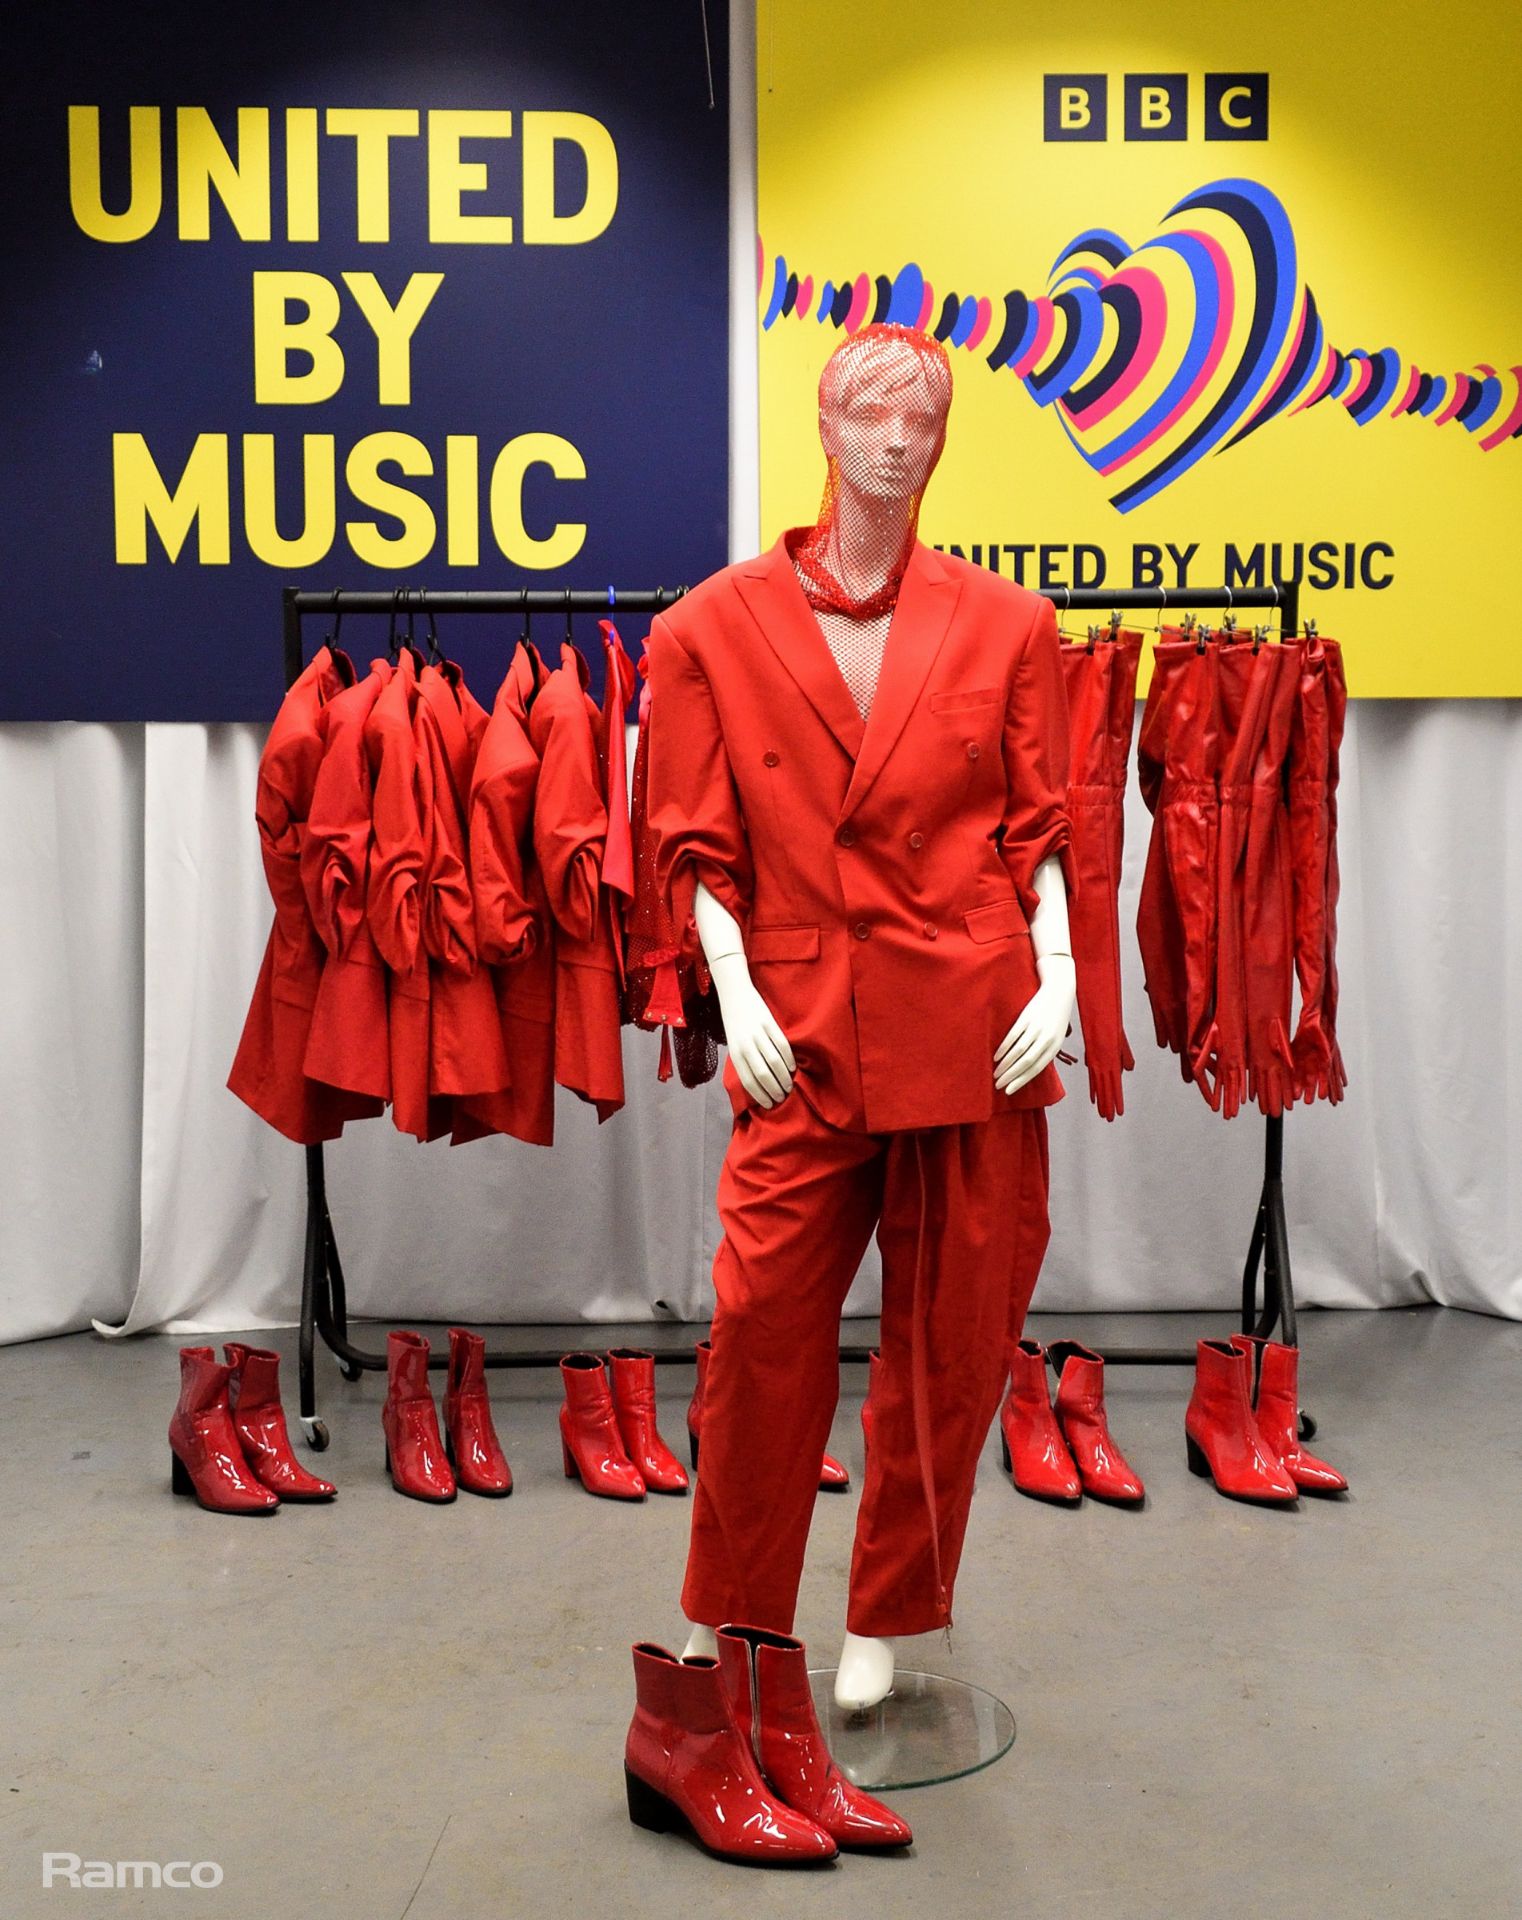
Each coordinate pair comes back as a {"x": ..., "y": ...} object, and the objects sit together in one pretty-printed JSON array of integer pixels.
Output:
[
  {"x": 1177, "y": 763},
  {"x": 1101, "y": 690},
  {"x": 1312, "y": 849},
  {"x": 1267, "y": 892}
]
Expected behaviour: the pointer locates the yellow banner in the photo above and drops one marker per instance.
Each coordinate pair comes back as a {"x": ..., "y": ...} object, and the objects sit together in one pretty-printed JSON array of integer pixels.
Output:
[{"x": 1230, "y": 297}]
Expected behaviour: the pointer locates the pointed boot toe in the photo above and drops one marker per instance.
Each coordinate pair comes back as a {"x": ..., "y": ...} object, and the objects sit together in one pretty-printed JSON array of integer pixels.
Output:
[{"x": 833, "y": 1477}]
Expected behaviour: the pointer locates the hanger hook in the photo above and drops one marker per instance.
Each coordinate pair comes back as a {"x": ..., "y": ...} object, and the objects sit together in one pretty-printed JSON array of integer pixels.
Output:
[{"x": 568, "y": 636}]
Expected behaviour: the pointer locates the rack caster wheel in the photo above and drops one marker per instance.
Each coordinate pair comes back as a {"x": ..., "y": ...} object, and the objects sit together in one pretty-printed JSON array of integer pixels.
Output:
[
  {"x": 1307, "y": 1426},
  {"x": 348, "y": 1369},
  {"x": 317, "y": 1434}
]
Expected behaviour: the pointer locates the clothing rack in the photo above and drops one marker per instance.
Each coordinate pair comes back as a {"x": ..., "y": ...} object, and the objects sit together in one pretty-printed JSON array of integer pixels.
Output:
[{"x": 324, "y": 1304}]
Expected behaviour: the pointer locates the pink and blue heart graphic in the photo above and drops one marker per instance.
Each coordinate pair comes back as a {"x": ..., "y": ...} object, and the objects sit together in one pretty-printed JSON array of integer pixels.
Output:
[{"x": 1158, "y": 355}]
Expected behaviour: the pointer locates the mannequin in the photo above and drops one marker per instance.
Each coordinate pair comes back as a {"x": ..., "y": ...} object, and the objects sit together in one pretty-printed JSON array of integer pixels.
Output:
[{"x": 884, "y": 399}]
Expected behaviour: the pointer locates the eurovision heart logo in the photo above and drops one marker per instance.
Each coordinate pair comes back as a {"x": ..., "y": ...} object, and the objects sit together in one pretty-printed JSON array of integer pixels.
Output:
[{"x": 1156, "y": 356}]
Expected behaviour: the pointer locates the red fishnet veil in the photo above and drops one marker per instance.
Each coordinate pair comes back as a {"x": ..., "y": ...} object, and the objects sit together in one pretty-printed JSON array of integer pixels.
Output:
[{"x": 884, "y": 395}]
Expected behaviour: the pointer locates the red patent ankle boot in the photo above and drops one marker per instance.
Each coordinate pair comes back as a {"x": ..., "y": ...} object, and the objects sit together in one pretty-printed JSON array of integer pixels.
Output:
[
  {"x": 205, "y": 1454},
  {"x": 253, "y": 1394},
  {"x": 833, "y": 1477},
  {"x": 590, "y": 1444},
  {"x": 414, "y": 1452},
  {"x": 1035, "y": 1454},
  {"x": 470, "y": 1440},
  {"x": 1080, "y": 1409},
  {"x": 695, "y": 1405},
  {"x": 766, "y": 1677},
  {"x": 1222, "y": 1435},
  {"x": 633, "y": 1375},
  {"x": 688, "y": 1767},
  {"x": 1276, "y": 1407},
  {"x": 874, "y": 1360}
]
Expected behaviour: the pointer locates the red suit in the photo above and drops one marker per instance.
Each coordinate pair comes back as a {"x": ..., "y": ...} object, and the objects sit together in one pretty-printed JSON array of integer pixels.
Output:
[{"x": 881, "y": 873}]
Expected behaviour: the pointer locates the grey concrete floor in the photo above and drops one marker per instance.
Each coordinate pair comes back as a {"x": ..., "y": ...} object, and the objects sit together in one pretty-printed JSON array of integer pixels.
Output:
[{"x": 379, "y": 1709}]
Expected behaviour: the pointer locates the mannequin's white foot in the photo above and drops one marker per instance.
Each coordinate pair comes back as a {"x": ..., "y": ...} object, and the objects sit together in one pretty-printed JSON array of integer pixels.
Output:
[
  {"x": 865, "y": 1675},
  {"x": 701, "y": 1641}
]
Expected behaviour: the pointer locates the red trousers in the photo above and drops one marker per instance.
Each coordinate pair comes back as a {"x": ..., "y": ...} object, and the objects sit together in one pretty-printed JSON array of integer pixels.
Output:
[{"x": 798, "y": 1200}]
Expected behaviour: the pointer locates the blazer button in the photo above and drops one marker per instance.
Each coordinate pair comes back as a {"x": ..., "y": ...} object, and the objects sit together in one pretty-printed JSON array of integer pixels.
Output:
[
  {"x": 861, "y": 930},
  {"x": 916, "y": 840},
  {"x": 931, "y": 931},
  {"x": 771, "y": 759},
  {"x": 973, "y": 749},
  {"x": 845, "y": 838}
]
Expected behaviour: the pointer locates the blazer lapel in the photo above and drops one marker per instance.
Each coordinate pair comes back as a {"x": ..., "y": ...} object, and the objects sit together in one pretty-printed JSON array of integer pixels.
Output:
[
  {"x": 927, "y": 598},
  {"x": 776, "y": 602}
]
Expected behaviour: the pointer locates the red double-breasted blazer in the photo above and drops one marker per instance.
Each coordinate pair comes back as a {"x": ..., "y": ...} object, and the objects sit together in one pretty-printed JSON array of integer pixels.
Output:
[{"x": 881, "y": 871}]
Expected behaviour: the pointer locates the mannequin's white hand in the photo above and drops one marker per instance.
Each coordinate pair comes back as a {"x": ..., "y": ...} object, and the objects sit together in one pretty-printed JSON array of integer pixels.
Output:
[
  {"x": 757, "y": 1045},
  {"x": 1032, "y": 1042}
]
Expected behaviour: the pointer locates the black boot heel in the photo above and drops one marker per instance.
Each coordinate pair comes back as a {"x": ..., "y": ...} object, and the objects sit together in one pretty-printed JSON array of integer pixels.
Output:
[
  {"x": 1197, "y": 1461},
  {"x": 647, "y": 1808},
  {"x": 179, "y": 1478}
]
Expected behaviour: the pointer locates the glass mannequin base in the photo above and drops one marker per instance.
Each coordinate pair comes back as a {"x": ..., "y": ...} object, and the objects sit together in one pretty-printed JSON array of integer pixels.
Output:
[{"x": 928, "y": 1729}]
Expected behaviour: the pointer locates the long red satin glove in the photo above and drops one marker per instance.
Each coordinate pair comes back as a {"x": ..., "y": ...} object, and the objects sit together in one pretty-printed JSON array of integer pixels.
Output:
[
  {"x": 1337, "y": 708},
  {"x": 1267, "y": 892},
  {"x": 1101, "y": 691},
  {"x": 1177, "y": 762}
]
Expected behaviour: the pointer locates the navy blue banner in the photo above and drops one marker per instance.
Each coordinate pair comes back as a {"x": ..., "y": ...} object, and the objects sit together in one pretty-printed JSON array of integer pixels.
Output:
[{"x": 348, "y": 295}]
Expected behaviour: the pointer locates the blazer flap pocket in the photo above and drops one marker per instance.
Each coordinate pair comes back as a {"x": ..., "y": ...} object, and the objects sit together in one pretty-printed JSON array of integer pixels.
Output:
[
  {"x": 958, "y": 700},
  {"x": 996, "y": 922},
  {"x": 782, "y": 943}
]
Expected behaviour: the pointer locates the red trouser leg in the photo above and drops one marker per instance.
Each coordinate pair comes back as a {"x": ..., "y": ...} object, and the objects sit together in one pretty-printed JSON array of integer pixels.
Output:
[
  {"x": 972, "y": 1241},
  {"x": 797, "y": 1201},
  {"x": 1035, "y": 1227}
]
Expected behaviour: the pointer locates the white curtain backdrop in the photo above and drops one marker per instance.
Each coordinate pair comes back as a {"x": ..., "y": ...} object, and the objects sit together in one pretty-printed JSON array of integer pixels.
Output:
[
  {"x": 136, "y": 1192},
  {"x": 139, "y": 1193}
]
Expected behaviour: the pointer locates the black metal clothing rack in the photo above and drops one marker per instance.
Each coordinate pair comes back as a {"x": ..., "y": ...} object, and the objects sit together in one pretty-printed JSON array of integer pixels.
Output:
[{"x": 324, "y": 1305}]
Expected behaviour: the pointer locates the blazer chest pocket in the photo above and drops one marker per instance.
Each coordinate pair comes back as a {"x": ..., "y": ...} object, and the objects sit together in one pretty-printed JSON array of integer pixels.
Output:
[
  {"x": 998, "y": 921},
  {"x": 963, "y": 700},
  {"x": 782, "y": 943}
]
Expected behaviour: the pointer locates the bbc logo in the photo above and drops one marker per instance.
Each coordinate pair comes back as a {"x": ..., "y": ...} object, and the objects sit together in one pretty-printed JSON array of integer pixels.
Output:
[{"x": 1156, "y": 106}]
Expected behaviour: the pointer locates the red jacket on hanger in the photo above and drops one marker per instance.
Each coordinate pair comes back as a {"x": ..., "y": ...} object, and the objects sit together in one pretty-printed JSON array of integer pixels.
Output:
[
  {"x": 347, "y": 1046},
  {"x": 466, "y": 1054},
  {"x": 515, "y": 935},
  {"x": 570, "y": 834},
  {"x": 881, "y": 871},
  {"x": 268, "y": 1071},
  {"x": 398, "y": 851}
]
